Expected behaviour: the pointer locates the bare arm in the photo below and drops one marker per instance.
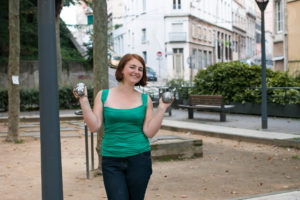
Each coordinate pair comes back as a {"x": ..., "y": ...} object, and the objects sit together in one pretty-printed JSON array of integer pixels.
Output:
[
  {"x": 94, "y": 118},
  {"x": 152, "y": 122}
]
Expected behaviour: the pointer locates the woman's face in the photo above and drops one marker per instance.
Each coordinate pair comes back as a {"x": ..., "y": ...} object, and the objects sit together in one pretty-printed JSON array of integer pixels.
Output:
[{"x": 133, "y": 71}]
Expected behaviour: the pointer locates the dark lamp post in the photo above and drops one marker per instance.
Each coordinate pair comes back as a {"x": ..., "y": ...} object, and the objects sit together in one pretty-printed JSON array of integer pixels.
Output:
[{"x": 262, "y": 4}]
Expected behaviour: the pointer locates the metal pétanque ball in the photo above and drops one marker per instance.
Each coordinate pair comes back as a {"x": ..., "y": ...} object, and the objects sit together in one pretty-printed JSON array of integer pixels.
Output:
[
  {"x": 167, "y": 97},
  {"x": 80, "y": 89}
]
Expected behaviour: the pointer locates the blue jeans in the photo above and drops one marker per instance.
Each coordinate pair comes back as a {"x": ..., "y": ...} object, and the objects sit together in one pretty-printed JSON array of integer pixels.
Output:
[{"x": 126, "y": 178}]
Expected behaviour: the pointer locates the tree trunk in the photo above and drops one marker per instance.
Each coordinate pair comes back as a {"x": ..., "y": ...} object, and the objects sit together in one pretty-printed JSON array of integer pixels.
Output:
[
  {"x": 58, "y": 53},
  {"x": 13, "y": 70},
  {"x": 100, "y": 68},
  {"x": 58, "y": 7}
]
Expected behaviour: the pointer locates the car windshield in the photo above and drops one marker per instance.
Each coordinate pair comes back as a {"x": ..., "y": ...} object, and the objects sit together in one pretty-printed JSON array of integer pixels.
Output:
[
  {"x": 116, "y": 58},
  {"x": 150, "y": 70}
]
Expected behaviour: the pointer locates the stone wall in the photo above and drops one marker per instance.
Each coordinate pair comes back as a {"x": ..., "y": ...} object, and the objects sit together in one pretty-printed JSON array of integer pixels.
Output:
[{"x": 29, "y": 74}]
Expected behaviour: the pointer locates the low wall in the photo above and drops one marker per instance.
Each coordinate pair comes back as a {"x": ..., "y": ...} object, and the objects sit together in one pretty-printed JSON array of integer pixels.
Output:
[
  {"x": 29, "y": 74},
  {"x": 277, "y": 110}
]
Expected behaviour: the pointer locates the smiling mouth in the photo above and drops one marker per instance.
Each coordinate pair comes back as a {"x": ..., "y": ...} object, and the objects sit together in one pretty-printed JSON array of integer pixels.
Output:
[{"x": 136, "y": 76}]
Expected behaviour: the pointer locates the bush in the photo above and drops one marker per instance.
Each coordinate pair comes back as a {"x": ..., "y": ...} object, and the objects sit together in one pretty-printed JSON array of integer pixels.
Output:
[
  {"x": 239, "y": 82},
  {"x": 29, "y": 99}
]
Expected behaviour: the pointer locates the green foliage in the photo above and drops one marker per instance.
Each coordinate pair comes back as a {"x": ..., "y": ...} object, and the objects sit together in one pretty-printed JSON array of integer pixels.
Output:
[
  {"x": 177, "y": 83},
  {"x": 182, "y": 90},
  {"x": 68, "y": 50},
  {"x": 19, "y": 141},
  {"x": 29, "y": 33},
  {"x": 296, "y": 157},
  {"x": 239, "y": 82},
  {"x": 3, "y": 99},
  {"x": 30, "y": 99},
  {"x": 4, "y": 37}
]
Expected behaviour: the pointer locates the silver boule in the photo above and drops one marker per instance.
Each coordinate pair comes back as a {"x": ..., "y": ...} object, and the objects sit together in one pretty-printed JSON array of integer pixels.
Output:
[
  {"x": 79, "y": 90},
  {"x": 167, "y": 97}
]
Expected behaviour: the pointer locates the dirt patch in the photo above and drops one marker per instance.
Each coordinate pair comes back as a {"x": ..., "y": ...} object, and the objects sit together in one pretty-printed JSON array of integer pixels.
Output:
[{"x": 228, "y": 169}]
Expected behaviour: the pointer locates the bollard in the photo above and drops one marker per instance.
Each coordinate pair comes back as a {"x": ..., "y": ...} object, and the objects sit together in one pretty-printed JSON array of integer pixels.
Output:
[
  {"x": 79, "y": 112},
  {"x": 86, "y": 150},
  {"x": 92, "y": 149}
]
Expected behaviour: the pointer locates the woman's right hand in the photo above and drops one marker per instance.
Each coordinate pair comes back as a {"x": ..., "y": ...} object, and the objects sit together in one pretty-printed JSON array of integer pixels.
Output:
[{"x": 79, "y": 97}]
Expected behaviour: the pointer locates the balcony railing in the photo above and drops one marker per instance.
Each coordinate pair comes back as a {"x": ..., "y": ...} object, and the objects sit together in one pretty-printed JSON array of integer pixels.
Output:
[{"x": 177, "y": 36}]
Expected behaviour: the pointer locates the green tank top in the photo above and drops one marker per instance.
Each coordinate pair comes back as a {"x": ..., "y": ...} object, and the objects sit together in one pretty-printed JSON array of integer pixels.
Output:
[{"x": 123, "y": 130}]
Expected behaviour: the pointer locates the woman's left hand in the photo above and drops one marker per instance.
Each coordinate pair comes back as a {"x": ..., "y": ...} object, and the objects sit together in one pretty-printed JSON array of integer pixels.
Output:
[{"x": 163, "y": 105}]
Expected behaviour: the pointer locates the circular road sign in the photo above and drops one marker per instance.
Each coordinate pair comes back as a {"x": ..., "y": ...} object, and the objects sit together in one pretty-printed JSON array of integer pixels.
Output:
[{"x": 159, "y": 54}]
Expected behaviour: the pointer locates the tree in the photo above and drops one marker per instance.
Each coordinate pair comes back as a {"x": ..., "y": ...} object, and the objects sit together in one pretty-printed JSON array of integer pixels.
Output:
[
  {"x": 13, "y": 71},
  {"x": 58, "y": 7},
  {"x": 100, "y": 68}
]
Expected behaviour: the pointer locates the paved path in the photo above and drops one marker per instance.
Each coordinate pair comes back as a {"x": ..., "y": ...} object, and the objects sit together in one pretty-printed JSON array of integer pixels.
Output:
[{"x": 291, "y": 195}]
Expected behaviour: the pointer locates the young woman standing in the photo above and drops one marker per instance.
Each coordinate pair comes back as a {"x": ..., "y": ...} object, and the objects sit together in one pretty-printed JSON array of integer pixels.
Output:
[{"x": 129, "y": 121}]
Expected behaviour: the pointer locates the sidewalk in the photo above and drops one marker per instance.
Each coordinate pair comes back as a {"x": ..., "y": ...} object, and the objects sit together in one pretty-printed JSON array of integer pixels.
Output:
[
  {"x": 281, "y": 131},
  {"x": 285, "y": 195}
]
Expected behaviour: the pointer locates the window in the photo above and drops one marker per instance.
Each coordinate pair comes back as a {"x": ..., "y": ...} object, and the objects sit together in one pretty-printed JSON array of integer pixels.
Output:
[
  {"x": 258, "y": 38},
  {"x": 177, "y": 27},
  {"x": 226, "y": 47},
  {"x": 132, "y": 40},
  {"x": 176, "y": 4},
  {"x": 144, "y": 36},
  {"x": 90, "y": 19},
  {"x": 219, "y": 46},
  {"x": 144, "y": 5},
  {"x": 209, "y": 58},
  {"x": 179, "y": 50},
  {"x": 194, "y": 31},
  {"x": 205, "y": 59},
  {"x": 279, "y": 19},
  {"x": 145, "y": 56},
  {"x": 199, "y": 59},
  {"x": 204, "y": 34},
  {"x": 194, "y": 57},
  {"x": 209, "y": 37},
  {"x": 199, "y": 32}
]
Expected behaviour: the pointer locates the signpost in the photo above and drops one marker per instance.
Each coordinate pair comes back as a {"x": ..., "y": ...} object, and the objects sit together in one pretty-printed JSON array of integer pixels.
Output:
[
  {"x": 191, "y": 61},
  {"x": 159, "y": 55}
]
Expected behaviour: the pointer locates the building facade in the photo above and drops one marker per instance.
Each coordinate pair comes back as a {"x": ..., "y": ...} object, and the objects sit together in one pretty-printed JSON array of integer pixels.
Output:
[
  {"x": 79, "y": 20},
  {"x": 239, "y": 29},
  {"x": 286, "y": 55},
  {"x": 190, "y": 35},
  {"x": 293, "y": 47},
  {"x": 177, "y": 38}
]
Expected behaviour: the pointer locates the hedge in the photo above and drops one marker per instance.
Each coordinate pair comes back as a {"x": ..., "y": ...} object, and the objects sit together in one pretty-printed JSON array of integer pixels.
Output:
[
  {"x": 29, "y": 99},
  {"x": 239, "y": 82}
]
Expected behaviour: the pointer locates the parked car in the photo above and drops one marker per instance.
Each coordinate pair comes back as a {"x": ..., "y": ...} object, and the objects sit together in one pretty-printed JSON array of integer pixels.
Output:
[
  {"x": 269, "y": 63},
  {"x": 114, "y": 60},
  {"x": 247, "y": 61},
  {"x": 151, "y": 74}
]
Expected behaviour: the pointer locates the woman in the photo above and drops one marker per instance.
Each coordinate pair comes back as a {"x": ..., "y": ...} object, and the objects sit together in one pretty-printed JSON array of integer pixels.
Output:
[{"x": 129, "y": 121}]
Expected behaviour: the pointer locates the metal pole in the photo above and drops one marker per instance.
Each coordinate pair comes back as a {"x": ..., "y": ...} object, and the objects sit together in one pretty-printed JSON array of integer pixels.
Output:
[
  {"x": 86, "y": 150},
  {"x": 92, "y": 149},
  {"x": 159, "y": 65},
  {"x": 264, "y": 120},
  {"x": 51, "y": 170}
]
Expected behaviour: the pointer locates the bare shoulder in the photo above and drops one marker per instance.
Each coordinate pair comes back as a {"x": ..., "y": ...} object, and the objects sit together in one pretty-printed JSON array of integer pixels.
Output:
[
  {"x": 99, "y": 93},
  {"x": 149, "y": 99}
]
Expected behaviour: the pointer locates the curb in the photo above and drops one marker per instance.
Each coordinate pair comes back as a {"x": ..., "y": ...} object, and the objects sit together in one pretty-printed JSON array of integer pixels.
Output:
[
  {"x": 270, "y": 196},
  {"x": 36, "y": 118},
  {"x": 275, "y": 142}
]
